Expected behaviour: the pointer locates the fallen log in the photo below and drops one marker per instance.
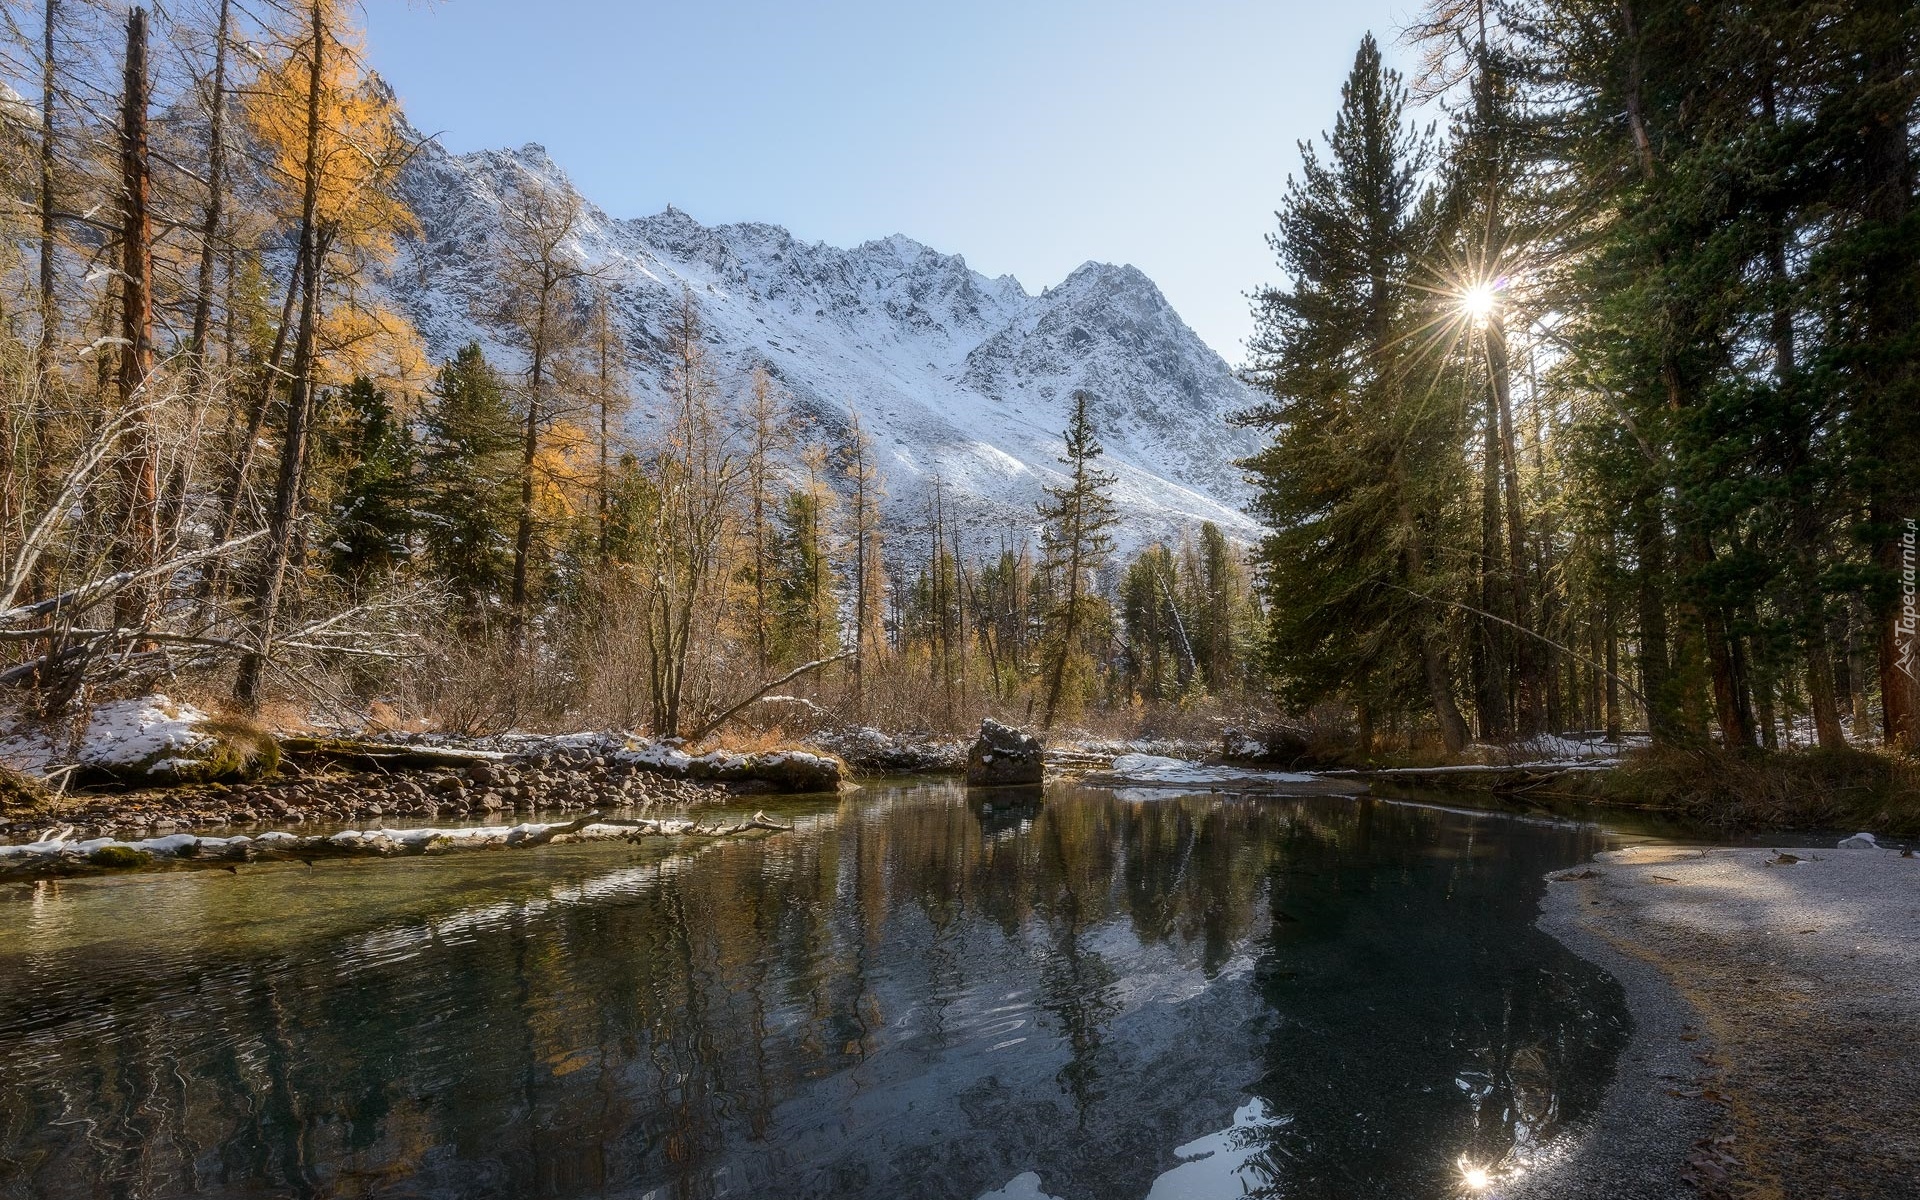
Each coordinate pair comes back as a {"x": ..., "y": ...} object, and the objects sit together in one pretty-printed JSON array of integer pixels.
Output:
[
  {"x": 383, "y": 756},
  {"x": 56, "y": 855}
]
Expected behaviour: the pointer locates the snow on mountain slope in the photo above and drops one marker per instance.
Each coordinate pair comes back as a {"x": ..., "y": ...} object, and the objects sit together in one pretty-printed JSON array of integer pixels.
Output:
[{"x": 953, "y": 374}]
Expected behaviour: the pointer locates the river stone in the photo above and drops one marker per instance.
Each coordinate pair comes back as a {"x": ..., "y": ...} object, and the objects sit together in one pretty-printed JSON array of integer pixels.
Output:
[
  {"x": 153, "y": 742},
  {"x": 1003, "y": 756},
  {"x": 797, "y": 773}
]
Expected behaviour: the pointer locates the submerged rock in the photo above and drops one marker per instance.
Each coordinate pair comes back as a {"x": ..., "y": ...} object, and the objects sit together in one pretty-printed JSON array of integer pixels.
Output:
[{"x": 1003, "y": 756}]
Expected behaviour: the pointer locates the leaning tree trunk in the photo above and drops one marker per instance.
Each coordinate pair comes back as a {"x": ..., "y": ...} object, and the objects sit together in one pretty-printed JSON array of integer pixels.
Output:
[{"x": 283, "y": 519}]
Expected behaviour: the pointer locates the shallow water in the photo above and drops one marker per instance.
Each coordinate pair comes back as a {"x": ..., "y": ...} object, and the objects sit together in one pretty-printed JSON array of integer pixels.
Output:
[{"x": 1098, "y": 997}]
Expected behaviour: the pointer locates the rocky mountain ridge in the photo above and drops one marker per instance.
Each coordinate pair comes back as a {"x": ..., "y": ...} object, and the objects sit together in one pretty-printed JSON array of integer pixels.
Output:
[{"x": 957, "y": 377}]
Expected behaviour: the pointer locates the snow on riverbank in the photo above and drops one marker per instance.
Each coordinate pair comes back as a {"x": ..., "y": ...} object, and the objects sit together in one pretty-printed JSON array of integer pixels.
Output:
[
  {"x": 163, "y": 734},
  {"x": 1787, "y": 999},
  {"x": 1180, "y": 772},
  {"x": 1144, "y": 777}
]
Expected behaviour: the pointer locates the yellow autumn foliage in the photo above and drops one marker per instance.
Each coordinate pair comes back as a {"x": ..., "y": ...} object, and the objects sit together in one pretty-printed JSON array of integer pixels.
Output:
[
  {"x": 564, "y": 472},
  {"x": 379, "y": 344},
  {"x": 361, "y": 148}
]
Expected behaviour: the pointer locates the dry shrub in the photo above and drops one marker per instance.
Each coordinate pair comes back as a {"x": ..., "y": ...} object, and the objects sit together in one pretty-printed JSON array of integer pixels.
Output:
[
  {"x": 745, "y": 740},
  {"x": 20, "y": 794},
  {"x": 485, "y": 686}
]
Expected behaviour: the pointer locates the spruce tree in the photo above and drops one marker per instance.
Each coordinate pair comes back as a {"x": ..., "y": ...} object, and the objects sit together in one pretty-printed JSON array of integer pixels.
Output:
[
  {"x": 373, "y": 517},
  {"x": 470, "y": 480},
  {"x": 1364, "y": 453},
  {"x": 1076, "y": 523}
]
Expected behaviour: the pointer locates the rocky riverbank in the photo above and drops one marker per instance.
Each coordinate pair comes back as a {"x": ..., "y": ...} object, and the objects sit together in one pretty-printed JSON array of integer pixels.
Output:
[
  {"x": 554, "y": 782},
  {"x": 322, "y": 781},
  {"x": 1777, "y": 1002},
  {"x": 60, "y": 854}
]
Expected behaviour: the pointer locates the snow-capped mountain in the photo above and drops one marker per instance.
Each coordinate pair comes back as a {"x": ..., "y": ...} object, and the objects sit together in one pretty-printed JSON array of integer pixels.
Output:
[{"x": 955, "y": 375}]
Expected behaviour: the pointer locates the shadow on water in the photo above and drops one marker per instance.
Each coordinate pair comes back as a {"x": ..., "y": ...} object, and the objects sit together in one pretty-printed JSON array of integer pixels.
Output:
[{"x": 1200, "y": 995}]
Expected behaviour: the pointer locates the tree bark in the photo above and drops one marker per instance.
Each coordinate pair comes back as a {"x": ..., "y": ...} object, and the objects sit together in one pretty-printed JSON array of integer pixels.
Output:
[
  {"x": 216, "y": 195},
  {"x": 1527, "y": 717},
  {"x": 1892, "y": 304},
  {"x": 284, "y": 518},
  {"x": 49, "y": 301},
  {"x": 141, "y": 466},
  {"x": 1650, "y": 547},
  {"x": 1490, "y": 637}
]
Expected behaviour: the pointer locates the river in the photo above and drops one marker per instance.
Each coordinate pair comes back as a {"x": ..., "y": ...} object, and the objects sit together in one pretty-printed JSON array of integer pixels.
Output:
[{"x": 1105, "y": 995}]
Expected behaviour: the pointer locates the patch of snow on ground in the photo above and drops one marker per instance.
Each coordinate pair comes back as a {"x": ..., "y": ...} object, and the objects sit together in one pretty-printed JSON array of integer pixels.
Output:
[
  {"x": 125, "y": 732},
  {"x": 1178, "y": 772},
  {"x": 119, "y": 733}
]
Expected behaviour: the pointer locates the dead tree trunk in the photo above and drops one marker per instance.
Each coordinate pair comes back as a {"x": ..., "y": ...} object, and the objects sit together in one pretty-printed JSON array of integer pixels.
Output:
[{"x": 141, "y": 471}]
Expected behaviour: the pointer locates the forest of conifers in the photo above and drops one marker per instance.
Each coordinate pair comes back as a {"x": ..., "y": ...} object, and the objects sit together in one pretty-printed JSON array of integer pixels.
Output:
[
  {"x": 229, "y": 470},
  {"x": 1589, "y": 383},
  {"x": 1594, "y": 388}
]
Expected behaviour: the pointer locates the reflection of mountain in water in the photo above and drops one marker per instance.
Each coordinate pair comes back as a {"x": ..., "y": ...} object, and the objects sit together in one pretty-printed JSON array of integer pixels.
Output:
[{"x": 899, "y": 999}]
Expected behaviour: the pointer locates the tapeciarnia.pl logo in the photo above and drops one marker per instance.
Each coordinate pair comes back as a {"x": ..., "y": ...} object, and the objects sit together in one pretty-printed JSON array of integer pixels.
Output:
[{"x": 1908, "y": 624}]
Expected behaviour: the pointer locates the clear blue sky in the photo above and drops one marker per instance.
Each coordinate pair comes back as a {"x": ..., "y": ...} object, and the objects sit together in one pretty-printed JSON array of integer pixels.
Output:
[{"x": 1028, "y": 135}]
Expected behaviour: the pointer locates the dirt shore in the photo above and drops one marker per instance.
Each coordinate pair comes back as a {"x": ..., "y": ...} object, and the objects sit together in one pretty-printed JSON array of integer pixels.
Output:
[{"x": 1776, "y": 996}]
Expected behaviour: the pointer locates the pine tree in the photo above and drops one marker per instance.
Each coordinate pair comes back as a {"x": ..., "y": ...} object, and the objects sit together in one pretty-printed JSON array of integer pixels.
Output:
[
  {"x": 469, "y": 480},
  {"x": 1221, "y": 622},
  {"x": 1075, "y": 537},
  {"x": 374, "y": 517},
  {"x": 1160, "y": 655},
  {"x": 1364, "y": 450}
]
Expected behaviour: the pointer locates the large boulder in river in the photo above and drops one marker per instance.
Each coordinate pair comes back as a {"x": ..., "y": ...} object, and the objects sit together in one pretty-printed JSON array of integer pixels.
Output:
[
  {"x": 1003, "y": 756},
  {"x": 793, "y": 772},
  {"x": 151, "y": 741}
]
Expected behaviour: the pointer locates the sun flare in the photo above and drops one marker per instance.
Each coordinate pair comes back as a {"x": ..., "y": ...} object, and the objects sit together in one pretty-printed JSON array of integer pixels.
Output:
[
  {"x": 1478, "y": 301},
  {"x": 1474, "y": 1178}
]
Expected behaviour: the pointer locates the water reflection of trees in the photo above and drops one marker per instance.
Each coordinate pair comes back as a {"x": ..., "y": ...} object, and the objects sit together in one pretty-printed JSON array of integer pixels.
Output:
[
  {"x": 703, "y": 1023},
  {"x": 1481, "y": 1033}
]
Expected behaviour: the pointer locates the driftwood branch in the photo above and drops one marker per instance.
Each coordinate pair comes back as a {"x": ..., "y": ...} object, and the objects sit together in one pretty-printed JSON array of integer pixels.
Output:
[
  {"x": 379, "y": 755},
  {"x": 98, "y": 591},
  {"x": 55, "y": 853},
  {"x": 789, "y": 677}
]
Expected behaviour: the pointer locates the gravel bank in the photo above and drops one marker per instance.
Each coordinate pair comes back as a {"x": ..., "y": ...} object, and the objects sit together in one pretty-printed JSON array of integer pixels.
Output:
[
  {"x": 1777, "y": 1003},
  {"x": 552, "y": 782}
]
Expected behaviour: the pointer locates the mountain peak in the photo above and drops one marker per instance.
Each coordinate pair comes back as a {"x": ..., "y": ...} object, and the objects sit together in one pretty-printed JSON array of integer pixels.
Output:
[{"x": 955, "y": 376}]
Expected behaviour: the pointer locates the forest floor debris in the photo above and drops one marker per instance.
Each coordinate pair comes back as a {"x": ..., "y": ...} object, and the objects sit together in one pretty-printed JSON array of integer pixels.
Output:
[
  {"x": 1756, "y": 789},
  {"x": 1803, "y": 967}
]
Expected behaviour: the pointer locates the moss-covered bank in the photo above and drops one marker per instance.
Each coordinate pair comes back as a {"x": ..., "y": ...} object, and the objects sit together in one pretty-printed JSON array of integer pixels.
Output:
[{"x": 1758, "y": 789}]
